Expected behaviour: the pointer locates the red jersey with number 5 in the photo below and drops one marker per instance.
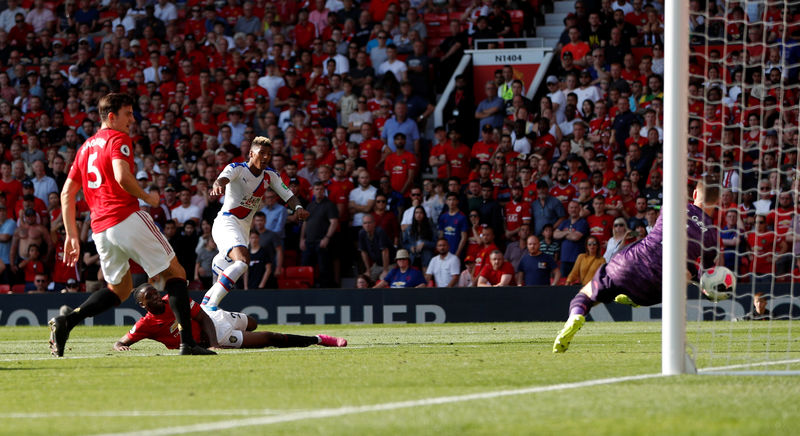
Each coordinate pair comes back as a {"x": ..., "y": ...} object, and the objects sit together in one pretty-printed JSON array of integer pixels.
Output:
[{"x": 109, "y": 203}]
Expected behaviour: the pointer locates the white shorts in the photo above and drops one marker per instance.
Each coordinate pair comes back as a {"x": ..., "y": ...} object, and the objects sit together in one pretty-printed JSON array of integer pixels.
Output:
[
  {"x": 228, "y": 232},
  {"x": 136, "y": 238},
  {"x": 230, "y": 327}
]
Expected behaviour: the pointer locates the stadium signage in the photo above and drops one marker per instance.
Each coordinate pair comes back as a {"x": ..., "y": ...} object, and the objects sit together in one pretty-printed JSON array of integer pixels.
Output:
[{"x": 400, "y": 306}]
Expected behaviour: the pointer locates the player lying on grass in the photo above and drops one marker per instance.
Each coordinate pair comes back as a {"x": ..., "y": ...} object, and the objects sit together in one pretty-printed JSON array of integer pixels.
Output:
[
  {"x": 634, "y": 275},
  {"x": 243, "y": 185},
  {"x": 218, "y": 329}
]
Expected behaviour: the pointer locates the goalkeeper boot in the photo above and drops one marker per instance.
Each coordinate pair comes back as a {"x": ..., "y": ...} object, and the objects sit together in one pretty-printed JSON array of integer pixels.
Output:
[
  {"x": 59, "y": 333},
  {"x": 573, "y": 324},
  {"x": 624, "y": 299}
]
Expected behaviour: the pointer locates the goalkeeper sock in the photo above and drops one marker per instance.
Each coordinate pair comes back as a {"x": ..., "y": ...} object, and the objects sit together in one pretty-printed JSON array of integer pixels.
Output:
[
  {"x": 225, "y": 283},
  {"x": 179, "y": 303},
  {"x": 580, "y": 304},
  {"x": 97, "y": 303}
]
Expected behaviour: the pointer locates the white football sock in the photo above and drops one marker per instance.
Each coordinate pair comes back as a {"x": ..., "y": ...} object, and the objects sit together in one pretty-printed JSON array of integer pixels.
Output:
[{"x": 224, "y": 284}]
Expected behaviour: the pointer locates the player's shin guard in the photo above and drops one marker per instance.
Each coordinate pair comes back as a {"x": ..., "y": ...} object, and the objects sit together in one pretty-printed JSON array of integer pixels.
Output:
[
  {"x": 580, "y": 305},
  {"x": 97, "y": 303},
  {"x": 225, "y": 283},
  {"x": 179, "y": 303}
]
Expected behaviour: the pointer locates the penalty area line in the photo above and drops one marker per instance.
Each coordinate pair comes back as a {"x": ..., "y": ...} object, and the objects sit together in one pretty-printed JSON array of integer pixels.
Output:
[{"x": 352, "y": 410}]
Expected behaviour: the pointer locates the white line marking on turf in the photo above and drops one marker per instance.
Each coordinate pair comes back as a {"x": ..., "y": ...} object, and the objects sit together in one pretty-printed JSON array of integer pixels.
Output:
[
  {"x": 137, "y": 413},
  {"x": 351, "y": 410},
  {"x": 747, "y": 365}
]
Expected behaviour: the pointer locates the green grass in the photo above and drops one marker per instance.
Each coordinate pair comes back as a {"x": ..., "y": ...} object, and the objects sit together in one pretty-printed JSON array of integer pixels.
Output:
[{"x": 96, "y": 390}]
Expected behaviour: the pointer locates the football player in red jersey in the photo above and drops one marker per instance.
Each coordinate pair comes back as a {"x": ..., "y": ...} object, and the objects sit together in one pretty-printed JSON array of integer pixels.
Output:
[
  {"x": 219, "y": 329},
  {"x": 102, "y": 169}
]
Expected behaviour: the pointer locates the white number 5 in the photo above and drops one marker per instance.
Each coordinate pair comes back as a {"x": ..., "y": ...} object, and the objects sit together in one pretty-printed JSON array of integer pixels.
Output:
[{"x": 93, "y": 170}]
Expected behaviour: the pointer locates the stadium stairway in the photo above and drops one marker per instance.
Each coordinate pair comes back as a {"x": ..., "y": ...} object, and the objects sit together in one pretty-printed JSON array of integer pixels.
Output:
[{"x": 554, "y": 21}]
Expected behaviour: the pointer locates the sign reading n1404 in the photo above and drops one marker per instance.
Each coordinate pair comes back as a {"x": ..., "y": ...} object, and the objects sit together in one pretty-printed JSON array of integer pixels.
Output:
[{"x": 508, "y": 58}]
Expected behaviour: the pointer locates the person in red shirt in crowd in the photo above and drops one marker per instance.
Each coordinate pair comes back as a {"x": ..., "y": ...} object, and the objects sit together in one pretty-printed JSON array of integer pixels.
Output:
[
  {"x": 600, "y": 223},
  {"x": 762, "y": 242},
  {"x": 252, "y": 92},
  {"x": 497, "y": 272},
  {"x": 487, "y": 238},
  {"x": 17, "y": 34},
  {"x": 73, "y": 115},
  {"x": 457, "y": 156},
  {"x": 545, "y": 143},
  {"x": 484, "y": 149},
  {"x": 304, "y": 31},
  {"x": 386, "y": 219},
  {"x": 372, "y": 150},
  {"x": 614, "y": 206},
  {"x": 401, "y": 165},
  {"x": 562, "y": 190},
  {"x": 11, "y": 187},
  {"x": 438, "y": 154},
  {"x": 575, "y": 170},
  {"x": 517, "y": 212},
  {"x": 339, "y": 190},
  {"x": 576, "y": 46},
  {"x": 31, "y": 266}
]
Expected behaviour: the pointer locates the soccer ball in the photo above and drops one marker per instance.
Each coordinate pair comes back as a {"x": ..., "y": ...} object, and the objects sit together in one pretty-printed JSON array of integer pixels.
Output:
[{"x": 718, "y": 283}]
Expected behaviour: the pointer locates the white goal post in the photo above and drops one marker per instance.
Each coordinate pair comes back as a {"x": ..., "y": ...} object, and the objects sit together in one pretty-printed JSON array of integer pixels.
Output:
[{"x": 676, "y": 81}]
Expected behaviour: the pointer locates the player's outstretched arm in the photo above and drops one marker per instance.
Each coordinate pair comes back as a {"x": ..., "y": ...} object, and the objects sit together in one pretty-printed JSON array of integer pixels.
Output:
[
  {"x": 123, "y": 344},
  {"x": 208, "y": 328},
  {"x": 218, "y": 188}
]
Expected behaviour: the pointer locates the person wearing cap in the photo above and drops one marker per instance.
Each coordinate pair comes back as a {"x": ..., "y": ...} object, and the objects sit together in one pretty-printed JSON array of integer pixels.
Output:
[
  {"x": 244, "y": 185},
  {"x": 497, "y": 272},
  {"x": 402, "y": 276},
  {"x": 72, "y": 286}
]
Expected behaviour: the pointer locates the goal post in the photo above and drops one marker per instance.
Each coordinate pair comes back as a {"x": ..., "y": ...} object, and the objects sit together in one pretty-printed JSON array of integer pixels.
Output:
[{"x": 676, "y": 80}]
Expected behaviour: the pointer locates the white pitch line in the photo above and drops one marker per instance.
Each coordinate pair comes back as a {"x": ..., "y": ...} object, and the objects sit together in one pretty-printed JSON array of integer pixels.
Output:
[
  {"x": 137, "y": 413},
  {"x": 747, "y": 365},
  {"x": 352, "y": 410}
]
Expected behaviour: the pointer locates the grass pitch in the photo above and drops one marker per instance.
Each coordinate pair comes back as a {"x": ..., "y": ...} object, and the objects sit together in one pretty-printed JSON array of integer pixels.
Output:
[{"x": 360, "y": 390}]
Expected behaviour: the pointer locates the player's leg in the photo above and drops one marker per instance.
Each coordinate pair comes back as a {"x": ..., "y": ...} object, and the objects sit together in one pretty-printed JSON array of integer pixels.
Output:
[
  {"x": 114, "y": 263},
  {"x": 227, "y": 278},
  {"x": 231, "y": 262},
  {"x": 578, "y": 308},
  {"x": 176, "y": 288},
  {"x": 281, "y": 340}
]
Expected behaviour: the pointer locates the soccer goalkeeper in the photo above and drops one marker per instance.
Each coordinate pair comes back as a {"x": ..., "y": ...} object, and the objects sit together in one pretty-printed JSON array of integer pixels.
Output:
[{"x": 634, "y": 275}]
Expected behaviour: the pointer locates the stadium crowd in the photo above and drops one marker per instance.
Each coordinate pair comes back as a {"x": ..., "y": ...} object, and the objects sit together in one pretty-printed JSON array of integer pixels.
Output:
[{"x": 535, "y": 192}]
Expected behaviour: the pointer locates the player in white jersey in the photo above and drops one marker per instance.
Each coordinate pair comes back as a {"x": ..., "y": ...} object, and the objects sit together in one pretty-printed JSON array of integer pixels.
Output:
[{"x": 243, "y": 185}]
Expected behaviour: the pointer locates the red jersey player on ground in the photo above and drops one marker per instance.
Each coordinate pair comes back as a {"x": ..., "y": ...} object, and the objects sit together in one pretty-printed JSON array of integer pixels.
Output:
[
  {"x": 218, "y": 329},
  {"x": 102, "y": 169}
]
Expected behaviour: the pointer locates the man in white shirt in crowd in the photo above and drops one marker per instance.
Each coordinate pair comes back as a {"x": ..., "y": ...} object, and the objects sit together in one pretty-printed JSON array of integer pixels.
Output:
[
  {"x": 445, "y": 268},
  {"x": 186, "y": 211}
]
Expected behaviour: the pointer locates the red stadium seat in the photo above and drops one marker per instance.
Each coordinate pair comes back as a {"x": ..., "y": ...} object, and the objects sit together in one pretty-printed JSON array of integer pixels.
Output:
[
  {"x": 18, "y": 289},
  {"x": 5, "y": 289},
  {"x": 517, "y": 19},
  {"x": 300, "y": 273},
  {"x": 437, "y": 25},
  {"x": 289, "y": 258}
]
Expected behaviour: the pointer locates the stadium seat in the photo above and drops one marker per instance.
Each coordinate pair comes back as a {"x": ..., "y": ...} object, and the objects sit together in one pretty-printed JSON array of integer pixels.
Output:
[
  {"x": 436, "y": 25},
  {"x": 517, "y": 18},
  {"x": 5, "y": 289},
  {"x": 303, "y": 274},
  {"x": 289, "y": 258},
  {"x": 18, "y": 289}
]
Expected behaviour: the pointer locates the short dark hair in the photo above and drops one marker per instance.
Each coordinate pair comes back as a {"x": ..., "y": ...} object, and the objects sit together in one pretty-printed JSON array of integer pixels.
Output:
[{"x": 112, "y": 103}]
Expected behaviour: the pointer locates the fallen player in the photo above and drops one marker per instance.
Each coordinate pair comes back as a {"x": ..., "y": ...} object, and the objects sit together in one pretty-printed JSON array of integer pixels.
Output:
[{"x": 218, "y": 329}]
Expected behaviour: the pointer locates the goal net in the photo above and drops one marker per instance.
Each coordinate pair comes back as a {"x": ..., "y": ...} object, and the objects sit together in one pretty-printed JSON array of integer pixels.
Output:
[{"x": 742, "y": 111}]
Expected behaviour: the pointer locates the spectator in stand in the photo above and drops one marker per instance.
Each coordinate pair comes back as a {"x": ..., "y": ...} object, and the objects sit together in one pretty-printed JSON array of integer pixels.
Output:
[
  {"x": 537, "y": 268},
  {"x": 761, "y": 241},
  {"x": 401, "y": 165},
  {"x": 404, "y": 275},
  {"x": 491, "y": 110},
  {"x": 316, "y": 234},
  {"x": 586, "y": 264},
  {"x": 600, "y": 223},
  {"x": 453, "y": 225},
  {"x": 546, "y": 209},
  {"x": 444, "y": 269},
  {"x": 400, "y": 123},
  {"x": 373, "y": 244},
  {"x": 418, "y": 238},
  {"x": 618, "y": 239},
  {"x": 497, "y": 272},
  {"x": 516, "y": 249},
  {"x": 186, "y": 210},
  {"x": 571, "y": 233}
]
